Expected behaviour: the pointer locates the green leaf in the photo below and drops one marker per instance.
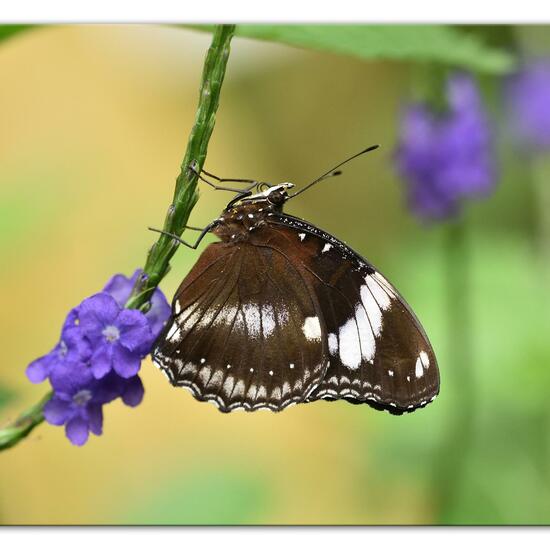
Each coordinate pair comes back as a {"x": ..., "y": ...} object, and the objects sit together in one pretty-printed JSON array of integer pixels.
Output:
[
  {"x": 424, "y": 43},
  {"x": 7, "y": 31}
]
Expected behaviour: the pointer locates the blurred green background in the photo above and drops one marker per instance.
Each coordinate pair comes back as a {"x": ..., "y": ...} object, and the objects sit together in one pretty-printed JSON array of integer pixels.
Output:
[{"x": 94, "y": 123}]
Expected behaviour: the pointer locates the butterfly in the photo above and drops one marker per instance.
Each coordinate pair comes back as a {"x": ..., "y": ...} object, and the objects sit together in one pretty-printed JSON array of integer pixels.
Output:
[{"x": 280, "y": 312}]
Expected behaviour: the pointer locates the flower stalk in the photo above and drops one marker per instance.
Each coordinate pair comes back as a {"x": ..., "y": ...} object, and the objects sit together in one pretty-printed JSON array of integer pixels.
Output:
[
  {"x": 185, "y": 197},
  {"x": 459, "y": 433}
]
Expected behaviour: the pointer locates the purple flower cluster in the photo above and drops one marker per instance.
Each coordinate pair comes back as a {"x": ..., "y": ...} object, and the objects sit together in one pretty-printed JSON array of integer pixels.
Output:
[
  {"x": 446, "y": 157},
  {"x": 98, "y": 358},
  {"x": 528, "y": 101}
]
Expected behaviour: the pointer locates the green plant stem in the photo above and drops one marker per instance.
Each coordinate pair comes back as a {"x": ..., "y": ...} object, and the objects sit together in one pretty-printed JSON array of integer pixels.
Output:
[
  {"x": 185, "y": 198},
  {"x": 185, "y": 194},
  {"x": 458, "y": 374},
  {"x": 23, "y": 425}
]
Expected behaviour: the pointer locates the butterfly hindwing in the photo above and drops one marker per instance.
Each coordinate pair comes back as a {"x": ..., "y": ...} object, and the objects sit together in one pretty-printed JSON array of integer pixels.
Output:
[
  {"x": 378, "y": 350},
  {"x": 245, "y": 331}
]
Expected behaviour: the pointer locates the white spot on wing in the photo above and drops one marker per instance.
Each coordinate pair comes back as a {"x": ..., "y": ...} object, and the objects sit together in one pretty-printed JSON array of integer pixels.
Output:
[
  {"x": 268, "y": 319},
  {"x": 390, "y": 372},
  {"x": 350, "y": 350},
  {"x": 238, "y": 390},
  {"x": 425, "y": 359},
  {"x": 312, "y": 328},
  {"x": 204, "y": 374},
  {"x": 302, "y": 236},
  {"x": 216, "y": 379},
  {"x": 228, "y": 385},
  {"x": 418, "y": 369},
  {"x": 177, "y": 307},
  {"x": 252, "y": 317},
  {"x": 174, "y": 334},
  {"x": 380, "y": 295},
  {"x": 372, "y": 309},
  {"x": 385, "y": 284},
  {"x": 333, "y": 343},
  {"x": 368, "y": 345},
  {"x": 326, "y": 248}
]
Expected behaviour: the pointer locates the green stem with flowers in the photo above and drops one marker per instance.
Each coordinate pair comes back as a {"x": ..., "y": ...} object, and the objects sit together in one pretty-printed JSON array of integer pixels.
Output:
[{"x": 185, "y": 197}]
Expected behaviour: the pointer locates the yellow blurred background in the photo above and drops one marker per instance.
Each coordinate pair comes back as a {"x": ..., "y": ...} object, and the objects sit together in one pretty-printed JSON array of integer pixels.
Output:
[{"x": 94, "y": 123}]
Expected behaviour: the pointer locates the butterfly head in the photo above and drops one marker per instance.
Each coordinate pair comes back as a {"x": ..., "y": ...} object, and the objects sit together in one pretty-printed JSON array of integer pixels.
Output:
[{"x": 274, "y": 195}]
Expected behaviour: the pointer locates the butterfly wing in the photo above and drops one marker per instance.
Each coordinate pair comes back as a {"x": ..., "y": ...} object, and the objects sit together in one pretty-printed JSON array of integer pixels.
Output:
[
  {"x": 244, "y": 331},
  {"x": 378, "y": 350}
]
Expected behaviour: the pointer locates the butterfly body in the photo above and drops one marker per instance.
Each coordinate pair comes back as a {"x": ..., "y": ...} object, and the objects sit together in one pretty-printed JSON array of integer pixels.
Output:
[{"x": 280, "y": 312}]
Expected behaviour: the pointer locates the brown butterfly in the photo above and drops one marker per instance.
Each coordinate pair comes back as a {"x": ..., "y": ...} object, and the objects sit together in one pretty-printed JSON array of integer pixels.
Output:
[{"x": 280, "y": 312}]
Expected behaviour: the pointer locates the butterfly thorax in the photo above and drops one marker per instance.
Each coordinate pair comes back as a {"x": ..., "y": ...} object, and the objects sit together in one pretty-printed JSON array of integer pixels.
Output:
[
  {"x": 246, "y": 214},
  {"x": 237, "y": 223}
]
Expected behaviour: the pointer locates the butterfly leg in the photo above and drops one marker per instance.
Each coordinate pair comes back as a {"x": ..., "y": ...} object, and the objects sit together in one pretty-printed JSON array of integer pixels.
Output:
[
  {"x": 253, "y": 183},
  {"x": 203, "y": 231}
]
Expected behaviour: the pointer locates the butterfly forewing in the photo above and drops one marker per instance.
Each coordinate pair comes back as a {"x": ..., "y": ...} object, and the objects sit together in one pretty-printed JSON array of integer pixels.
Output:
[
  {"x": 245, "y": 331},
  {"x": 378, "y": 351}
]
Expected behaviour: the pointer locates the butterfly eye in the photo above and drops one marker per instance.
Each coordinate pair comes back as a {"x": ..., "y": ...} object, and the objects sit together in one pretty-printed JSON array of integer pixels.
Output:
[{"x": 277, "y": 197}]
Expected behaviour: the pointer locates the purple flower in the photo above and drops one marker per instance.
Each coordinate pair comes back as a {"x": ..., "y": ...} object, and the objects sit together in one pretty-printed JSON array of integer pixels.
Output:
[
  {"x": 119, "y": 338},
  {"x": 71, "y": 348},
  {"x": 445, "y": 158},
  {"x": 527, "y": 95},
  {"x": 78, "y": 399},
  {"x": 120, "y": 288},
  {"x": 77, "y": 402},
  {"x": 98, "y": 357}
]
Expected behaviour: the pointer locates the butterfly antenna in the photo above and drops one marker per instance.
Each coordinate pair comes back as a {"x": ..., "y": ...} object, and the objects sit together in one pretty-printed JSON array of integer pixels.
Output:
[{"x": 334, "y": 171}]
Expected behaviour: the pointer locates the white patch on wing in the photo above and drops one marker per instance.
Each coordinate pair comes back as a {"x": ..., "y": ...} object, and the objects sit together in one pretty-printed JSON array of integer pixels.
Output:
[
  {"x": 191, "y": 321},
  {"x": 350, "y": 349},
  {"x": 373, "y": 311},
  {"x": 390, "y": 372},
  {"x": 380, "y": 295},
  {"x": 326, "y": 248},
  {"x": 252, "y": 316},
  {"x": 312, "y": 328},
  {"x": 251, "y": 393},
  {"x": 368, "y": 345},
  {"x": 282, "y": 315},
  {"x": 302, "y": 236},
  {"x": 261, "y": 393},
  {"x": 387, "y": 286},
  {"x": 418, "y": 369},
  {"x": 332, "y": 343},
  {"x": 228, "y": 385},
  {"x": 177, "y": 307},
  {"x": 425, "y": 359},
  {"x": 225, "y": 316},
  {"x": 174, "y": 334},
  {"x": 216, "y": 379},
  {"x": 204, "y": 375},
  {"x": 268, "y": 319},
  {"x": 188, "y": 369},
  {"x": 238, "y": 390}
]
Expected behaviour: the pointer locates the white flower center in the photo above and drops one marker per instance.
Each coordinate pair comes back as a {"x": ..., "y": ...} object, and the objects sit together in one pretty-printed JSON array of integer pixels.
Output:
[
  {"x": 82, "y": 397},
  {"x": 111, "y": 333}
]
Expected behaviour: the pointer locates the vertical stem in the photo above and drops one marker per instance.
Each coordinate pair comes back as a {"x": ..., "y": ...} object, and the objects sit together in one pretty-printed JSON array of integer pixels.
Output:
[
  {"x": 458, "y": 374},
  {"x": 186, "y": 194},
  {"x": 541, "y": 190},
  {"x": 540, "y": 180}
]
